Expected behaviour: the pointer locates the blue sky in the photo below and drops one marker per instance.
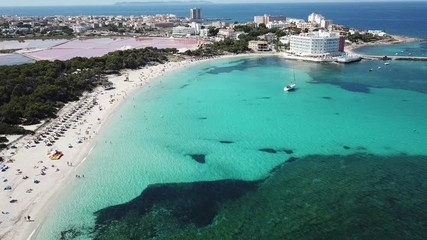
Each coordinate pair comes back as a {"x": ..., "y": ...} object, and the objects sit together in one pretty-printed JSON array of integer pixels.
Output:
[{"x": 106, "y": 2}]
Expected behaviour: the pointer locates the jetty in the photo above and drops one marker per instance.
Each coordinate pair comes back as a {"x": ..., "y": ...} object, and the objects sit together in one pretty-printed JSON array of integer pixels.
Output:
[{"x": 410, "y": 58}]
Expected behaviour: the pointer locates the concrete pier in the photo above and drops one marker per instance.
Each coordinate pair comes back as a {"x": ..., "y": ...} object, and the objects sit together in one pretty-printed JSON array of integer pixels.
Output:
[{"x": 408, "y": 58}]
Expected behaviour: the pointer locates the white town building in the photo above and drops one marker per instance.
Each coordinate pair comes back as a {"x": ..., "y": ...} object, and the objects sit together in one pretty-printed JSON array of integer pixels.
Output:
[
  {"x": 315, "y": 18},
  {"x": 276, "y": 24},
  {"x": 258, "y": 46},
  {"x": 377, "y": 33},
  {"x": 258, "y": 20},
  {"x": 181, "y": 31},
  {"x": 267, "y": 18},
  {"x": 326, "y": 24},
  {"x": 226, "y": 33},
  {"x": 317, "y": 44}
]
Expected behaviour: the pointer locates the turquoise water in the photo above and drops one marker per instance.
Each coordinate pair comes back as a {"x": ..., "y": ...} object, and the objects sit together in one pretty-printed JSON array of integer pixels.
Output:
[
  {"x": 235, "y": 113},
  {"x": 415, "y": 49}
]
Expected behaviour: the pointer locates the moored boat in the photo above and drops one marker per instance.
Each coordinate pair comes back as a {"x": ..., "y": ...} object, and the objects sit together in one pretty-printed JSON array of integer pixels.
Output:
[{"x": 289, "y": 87}]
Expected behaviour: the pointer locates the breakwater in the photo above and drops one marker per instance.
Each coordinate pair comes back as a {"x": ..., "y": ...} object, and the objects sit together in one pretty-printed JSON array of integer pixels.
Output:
[{"x": 410, "y": 58}]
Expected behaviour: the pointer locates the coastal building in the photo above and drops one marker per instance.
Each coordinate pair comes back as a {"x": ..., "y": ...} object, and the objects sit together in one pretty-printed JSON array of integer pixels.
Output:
[
  {"x": 317, "y": 44},
  {"x": 226, "y": 33},
  {"x": 315, "y": 18},
  {"x": 377, "y": 33},
  {"x": 285, "y": 39},
  {"x": 259, "y": 46},
  {"x": 258, "y": 20},
  {"x": 267, "y": 18},
  {"x": 161, "y": 24},
  {"x": 276, "y": 24},
  {"x": 219, "y": 24},
  {"x": 80, "y": 28},
  {"x": 300, "y": 23},
  {"x": 196, "y": 27},
  {"x": 269, "y": 37},
  {"x": 326, "y": 24},
  {"x": 195, "y": 14},
  {"x": 182, "y": 31},
  {"x": 204, "y": 33}
]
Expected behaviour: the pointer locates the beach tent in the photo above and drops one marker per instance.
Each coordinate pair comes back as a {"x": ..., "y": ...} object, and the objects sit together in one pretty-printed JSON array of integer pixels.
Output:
[{"x": 8, "y": 187}]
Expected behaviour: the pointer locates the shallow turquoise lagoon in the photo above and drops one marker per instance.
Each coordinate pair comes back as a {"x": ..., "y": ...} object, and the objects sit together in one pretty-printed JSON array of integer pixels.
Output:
[{"x": 231, "y": 119}]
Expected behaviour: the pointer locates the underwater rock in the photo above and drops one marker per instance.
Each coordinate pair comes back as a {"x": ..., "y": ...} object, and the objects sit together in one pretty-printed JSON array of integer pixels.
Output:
[
  {"x": 268, "y": 150},
  {"x": 327, "y": 98},
  {"x": 355, "y": 87},
  {"x": 71, "y": 234},
  {"x": 313, "y": 198},
  {"x": 184, "y": 86},
  {"x": 226, "y": 142},
  {"x": 200, "y": 158},
  {"x": 291, "y": 160},
  {"x": 288, "y": 151},
  {"x": 169, "y": 208},
  {"x": 202, "y": 118},
  {"x": 346, "y": 147},
  {"x": 360, "y": 148}
]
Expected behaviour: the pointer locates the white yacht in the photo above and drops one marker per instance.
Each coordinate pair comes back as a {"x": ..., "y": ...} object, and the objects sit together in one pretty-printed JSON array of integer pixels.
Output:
[{"x": 289, "y": 87}]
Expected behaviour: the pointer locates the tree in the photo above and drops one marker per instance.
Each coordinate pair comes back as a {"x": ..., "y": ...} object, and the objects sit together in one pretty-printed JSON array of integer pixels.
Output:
[
  {"x": 31, "y": 92},
  {"x": 212, "y": 31},
  {"x": 68, "y": 31},
  {"x": 280, "y": 33},
  {"x": 113, "y": 28}
]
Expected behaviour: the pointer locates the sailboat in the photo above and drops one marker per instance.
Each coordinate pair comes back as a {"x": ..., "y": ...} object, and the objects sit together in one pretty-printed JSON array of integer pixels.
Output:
[{"x": 291, "y": 86}]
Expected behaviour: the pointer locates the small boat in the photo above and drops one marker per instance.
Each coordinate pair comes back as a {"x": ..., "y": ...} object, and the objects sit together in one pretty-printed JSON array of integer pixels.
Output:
[
  {"x": 348, "y": 59},
  {"x": 370, "y": 70},
  {"x": 386, "y": 63},
  {"x": 291, "y": 86}
]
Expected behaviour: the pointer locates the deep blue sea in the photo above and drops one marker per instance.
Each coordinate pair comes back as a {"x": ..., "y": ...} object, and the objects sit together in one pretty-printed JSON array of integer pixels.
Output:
[{"x": 405, "y": 18}]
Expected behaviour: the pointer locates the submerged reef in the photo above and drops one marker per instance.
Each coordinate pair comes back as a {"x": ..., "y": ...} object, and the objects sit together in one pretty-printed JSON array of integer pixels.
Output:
[
  {"x": 200, "y": 158},
  {"x": 359, "y": 196},
  {"x": 355, "y": 87},
  {"x": 162, "y": 210}
]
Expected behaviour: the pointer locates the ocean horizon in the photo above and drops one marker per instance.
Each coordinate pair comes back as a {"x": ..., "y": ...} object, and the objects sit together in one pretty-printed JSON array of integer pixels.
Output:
[{"x": 392, "y": 17}]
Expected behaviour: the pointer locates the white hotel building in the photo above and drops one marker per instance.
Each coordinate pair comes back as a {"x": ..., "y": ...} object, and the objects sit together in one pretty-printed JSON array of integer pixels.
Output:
[{"x": 317, "y": 44}]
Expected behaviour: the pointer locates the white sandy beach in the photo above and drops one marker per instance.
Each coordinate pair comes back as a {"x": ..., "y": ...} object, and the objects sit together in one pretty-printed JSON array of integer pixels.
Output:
[{"x": 81, "y": 123}]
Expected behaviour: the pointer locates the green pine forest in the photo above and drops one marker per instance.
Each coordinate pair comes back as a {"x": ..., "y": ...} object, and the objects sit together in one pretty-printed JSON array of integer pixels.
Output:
[{"x": 32, "y": 92}]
